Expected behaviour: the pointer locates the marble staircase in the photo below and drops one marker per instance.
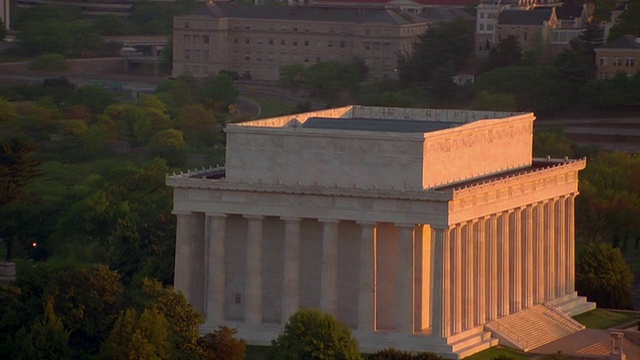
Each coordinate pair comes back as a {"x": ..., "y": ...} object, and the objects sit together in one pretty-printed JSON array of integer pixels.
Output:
[{"x": 533, "y": 327}]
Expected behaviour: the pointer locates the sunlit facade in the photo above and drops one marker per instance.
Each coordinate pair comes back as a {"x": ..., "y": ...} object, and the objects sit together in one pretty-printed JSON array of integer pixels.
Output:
[{"x": 413, "y": 226}]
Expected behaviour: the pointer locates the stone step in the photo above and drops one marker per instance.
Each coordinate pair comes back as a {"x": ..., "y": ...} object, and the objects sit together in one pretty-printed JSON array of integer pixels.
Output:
[
  {"x": 533, "y": 327},
  {"x": 473, "y": 349}
]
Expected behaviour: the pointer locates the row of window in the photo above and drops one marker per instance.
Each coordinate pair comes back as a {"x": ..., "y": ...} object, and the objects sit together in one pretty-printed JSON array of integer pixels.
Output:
[
  {"x": 488, "y": 27},
  {"x": 196, "y": 54},
  {"x": 616, "y": 61},
  {"x": 195, "y": 39}
]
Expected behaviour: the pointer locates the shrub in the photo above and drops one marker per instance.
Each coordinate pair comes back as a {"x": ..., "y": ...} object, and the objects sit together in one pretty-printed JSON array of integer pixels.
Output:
[
  {"x": 394, "y": 354},
  {"x": 311, "y": 334},
  {"x": 49, "y": 62},
  {"x": 222, "y": 345}
]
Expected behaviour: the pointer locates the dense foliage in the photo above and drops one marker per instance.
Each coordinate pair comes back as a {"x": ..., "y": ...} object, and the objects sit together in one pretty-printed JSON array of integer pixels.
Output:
[
  {"x": 603, "y": 276},
  {"x": 311, "y": 334},
  {"x": 394, "y": 354}
]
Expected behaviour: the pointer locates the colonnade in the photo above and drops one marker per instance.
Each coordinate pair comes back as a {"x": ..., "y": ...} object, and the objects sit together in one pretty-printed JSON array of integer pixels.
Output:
[
  {"x": 483, "y": 269},
  {"x": 501, "y": 264}
]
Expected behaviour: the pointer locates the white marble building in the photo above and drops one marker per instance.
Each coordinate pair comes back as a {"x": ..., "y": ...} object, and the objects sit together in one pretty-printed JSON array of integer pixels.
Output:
[{"x": 423, "y": 230}]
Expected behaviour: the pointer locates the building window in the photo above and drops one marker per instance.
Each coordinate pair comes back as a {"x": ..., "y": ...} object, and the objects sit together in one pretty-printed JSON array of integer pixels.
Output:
[
  {"x": 205, "y": 69},
  {"x": 343, "y": 44},
  {"x": 186, "y": 69},
  {"x": 196, "y": 54},
  {"x": 489, "y": 27},
  {"x": 617, "y": 62},
  {"x": 630, "y": 62},
  {"x": 235, "y": 40},
  {"x": 282, "y": 42},
  {"x": 318, "y": 59},
  {"x": 205, "y": 39},
  {"x": 270, "y": 41},
  {"x": 187, "y": 25},
  {"x": 367, "y": 45},
  {"x": 259, "y": 41},
  {"x": 306, "y": 43},
  {"x": 270, "y": 56},
  {"x": 603, "y": 61},
  {"x": 238, "y": 298},
  {"x": 295, "y": 29},
  {"x": 247, "y": 27},
  {"x": 295, "y": 43},
  {"x": 306, "y": 59},
  {"x": 187, "y": 54},
  {"x": 330, "y": 43},
  {"x": 259, "y": 56},
  {"x": 186, "y": 39},
  {"x": 247, "y": 57},
  {"x": 206, "y": 54},
  {"x": 196, "y": 69},
  {"x": 247, "y": 41},
  {"x": 481, "y": 27}
]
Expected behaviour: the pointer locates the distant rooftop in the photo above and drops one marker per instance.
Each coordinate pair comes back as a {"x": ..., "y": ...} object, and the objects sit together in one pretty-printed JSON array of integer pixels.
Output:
[
  {"x": 624, "y": 42},
  {"x": 371, "y": 124},
  {"x": 524, "y": 17}
]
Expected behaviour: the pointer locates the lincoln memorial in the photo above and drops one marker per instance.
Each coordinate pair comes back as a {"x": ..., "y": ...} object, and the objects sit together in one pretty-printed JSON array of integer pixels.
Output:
[{"x": 423, "y": 230}]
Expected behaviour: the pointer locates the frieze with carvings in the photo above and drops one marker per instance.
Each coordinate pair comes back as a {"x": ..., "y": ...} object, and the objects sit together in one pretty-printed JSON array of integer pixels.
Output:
[
  {"x": 477, "y": 138},
  {"x": 495, "y": 193}
]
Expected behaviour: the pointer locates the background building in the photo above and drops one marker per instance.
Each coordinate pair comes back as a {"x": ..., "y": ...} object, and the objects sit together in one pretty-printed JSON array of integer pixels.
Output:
[
  {"x": 620, "y": 55},
  {"x": 412, "y": 226},
  {"x": 260, "y": 39}
]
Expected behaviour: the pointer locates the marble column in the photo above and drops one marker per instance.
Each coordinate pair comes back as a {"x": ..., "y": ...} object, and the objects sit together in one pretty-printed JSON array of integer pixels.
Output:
[
  {"x": 515, "y": 247},
  {"x": 367, "y": 283},
  {"x": 329, "y": 275},
  {"x": 291, "y": 271},
  {"x": 456, "y": 269},
  {"x": 468, "y": 275},
  {"x": 182, "y": 275},
  {"x": 253, "y": 283},
  {"x": 405, "y": 318},
  {"x": 441, "y": 293},
  {"x": 480, "y": 271},
  {"x": 560, "y": 285},
  {"x": 503, "y": 264},
  {"x": 528, "y": 269},
  {"x": 550, "y": 270},
  {"x": 492, "y": 268},
  {"x": 571, "y": 260},
  {"x": 215, "y": 295},
  {"x": 538, "y": 253}
]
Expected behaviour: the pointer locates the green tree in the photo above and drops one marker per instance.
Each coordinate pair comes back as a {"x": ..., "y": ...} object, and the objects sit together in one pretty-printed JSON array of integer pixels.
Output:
[
  {"x": 183, "y": 321},
  {"x": 507, "y": 53},
  {"x": 394, "y": 354},
  {"x": 291, "y": 77},
  {"x": 628, "y": 22},
  {"x": 495, "y": 102},
  {"x": 49, "y": 62},
  {"x": 438, "y": 54},
  {"x": 93, "y": 97},
  {"x": 222, "y": 345},
  {"x": 535, "y": 88},
  {"x": 199, "y": 125},
  {"x": 46, "y": 339},
  {"x": 170, "y": 146},
  {"x": 138, "y": 337},
  {"x": 219, "y": 92},
  {"x": 311, "y": 334},
  {"x": 604, "y": 277},
  {"x": 552, "y": 143},
  {"x": 86, "y": 299},
  {"x": 12, "y": 318},
  {"x": 8, "y": 113}
]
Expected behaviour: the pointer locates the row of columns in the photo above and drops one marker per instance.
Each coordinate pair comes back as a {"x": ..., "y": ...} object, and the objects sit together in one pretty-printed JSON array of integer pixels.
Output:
[
  {"x": 498, "y": 265},
  {"x": 214, "y": 261},
  {"x": 483, "y": 269}
]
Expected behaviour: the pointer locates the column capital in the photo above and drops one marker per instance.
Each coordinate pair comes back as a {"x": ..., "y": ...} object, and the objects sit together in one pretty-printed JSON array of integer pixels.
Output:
[
  {"x": 216, "y": 215},
  {"x": 290, "y": 218},
  {"x": 329, "y": 221},
  {"x": 253, "y": 217}
]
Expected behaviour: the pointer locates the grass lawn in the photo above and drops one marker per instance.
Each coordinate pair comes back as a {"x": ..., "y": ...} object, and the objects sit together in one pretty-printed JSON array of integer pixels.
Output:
[
  {"x": 604, "y": 319},
  {"x": 271, "y": 108},
  {"x": 497, "y": 351}
]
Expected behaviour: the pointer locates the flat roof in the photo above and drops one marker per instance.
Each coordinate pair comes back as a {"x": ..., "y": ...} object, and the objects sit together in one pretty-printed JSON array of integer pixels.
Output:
[{"x": 372, "y": 124}]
